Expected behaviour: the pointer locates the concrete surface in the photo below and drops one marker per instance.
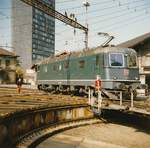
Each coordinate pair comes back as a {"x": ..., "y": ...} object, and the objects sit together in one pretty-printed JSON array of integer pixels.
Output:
[{"x": 99, "y": 136}]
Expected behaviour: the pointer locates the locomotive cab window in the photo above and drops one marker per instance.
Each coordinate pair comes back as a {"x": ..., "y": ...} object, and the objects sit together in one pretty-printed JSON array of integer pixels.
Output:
[
  {"x": 132, "y": 61},
  {"x": 116, "y": 60}
]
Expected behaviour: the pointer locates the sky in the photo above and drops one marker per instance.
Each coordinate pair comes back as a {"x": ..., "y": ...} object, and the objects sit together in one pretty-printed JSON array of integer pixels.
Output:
[
  {"x": 123, "y": 19},
  {"x": 5, "y": 21}
]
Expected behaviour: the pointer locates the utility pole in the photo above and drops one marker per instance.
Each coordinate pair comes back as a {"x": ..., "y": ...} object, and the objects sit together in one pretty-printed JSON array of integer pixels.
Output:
[{"x": 86, "y": 4}]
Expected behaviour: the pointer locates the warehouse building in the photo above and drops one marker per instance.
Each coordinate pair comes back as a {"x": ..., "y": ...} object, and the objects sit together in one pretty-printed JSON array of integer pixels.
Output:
[
  {"x": 8, "y": 64},
  {"x": 142, "y": 45}
]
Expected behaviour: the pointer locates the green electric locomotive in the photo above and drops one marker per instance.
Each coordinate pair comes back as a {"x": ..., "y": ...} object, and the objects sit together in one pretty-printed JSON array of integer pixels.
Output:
[{"x": 77, "y": 71}]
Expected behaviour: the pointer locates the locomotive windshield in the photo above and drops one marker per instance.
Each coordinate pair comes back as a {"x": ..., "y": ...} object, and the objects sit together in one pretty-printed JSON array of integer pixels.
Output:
[
  {"x": 116, "y": 59},
  {"x": 132, "y": 61}
]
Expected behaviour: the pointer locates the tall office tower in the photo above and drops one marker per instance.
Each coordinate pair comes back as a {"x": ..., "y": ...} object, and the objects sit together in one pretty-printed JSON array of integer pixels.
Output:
[{"x": 33, "y": 33}]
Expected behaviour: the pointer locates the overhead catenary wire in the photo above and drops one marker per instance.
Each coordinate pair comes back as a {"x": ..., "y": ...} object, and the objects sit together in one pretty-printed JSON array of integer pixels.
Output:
[
  {"x": 104, "y": 15},
  {"x": 101, "y": 3},
  {"x": 114, "y": 17},
  {"x": 105, "y": 8},
  {"x": 111, "y": 27},
  {"x": 117, "y": 16},
  {"x": 81, "y": 6},
  {"x": 98, "y": 9},
  {"x": 118, "y": 22},
  {"x": 115, "y": 28},
  {"x": 10, "y": 17},
  {"x": 65, "y": 1}
]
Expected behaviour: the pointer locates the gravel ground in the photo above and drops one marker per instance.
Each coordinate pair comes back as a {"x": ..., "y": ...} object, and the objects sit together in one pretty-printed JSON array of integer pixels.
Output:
[{"x": 103, "y": 135}]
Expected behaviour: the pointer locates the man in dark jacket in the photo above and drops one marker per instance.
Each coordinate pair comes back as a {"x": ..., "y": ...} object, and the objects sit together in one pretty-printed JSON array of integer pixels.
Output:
[{"x": 19, "y": 84}]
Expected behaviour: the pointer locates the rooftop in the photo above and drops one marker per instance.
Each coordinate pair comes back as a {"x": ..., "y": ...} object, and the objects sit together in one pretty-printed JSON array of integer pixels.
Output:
[
  {"x": 4, "y": 52},
  {"x": 135, "y": 41}
]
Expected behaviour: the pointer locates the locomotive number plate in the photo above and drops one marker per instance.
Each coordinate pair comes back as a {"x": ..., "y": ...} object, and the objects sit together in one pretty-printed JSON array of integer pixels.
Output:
[{"x": 126, "y": 72}]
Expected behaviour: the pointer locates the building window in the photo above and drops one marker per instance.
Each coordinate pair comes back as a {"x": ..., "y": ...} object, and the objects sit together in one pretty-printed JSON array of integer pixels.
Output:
[
  {"x": 7, "y": 62},
  {"x": 81, "y": 63},
  {"x": 34, "y": 56}
]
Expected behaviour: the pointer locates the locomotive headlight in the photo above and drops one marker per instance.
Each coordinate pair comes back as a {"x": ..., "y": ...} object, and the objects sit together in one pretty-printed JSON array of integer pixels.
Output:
[{"x": 115, "y": 78}]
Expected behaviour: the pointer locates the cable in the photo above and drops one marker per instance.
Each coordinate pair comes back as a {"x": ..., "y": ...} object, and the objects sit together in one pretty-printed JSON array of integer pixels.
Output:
[
  {"x": 79, "y": 6},
  {"x": 111, "y": 13},
  {"x": 114, "y": 17},
  {"x": 65, "y": 1},
  {"x": 128, "y": 23},
  {"x": 105, "y": 8},
  {"x": 118, "y": 22}
]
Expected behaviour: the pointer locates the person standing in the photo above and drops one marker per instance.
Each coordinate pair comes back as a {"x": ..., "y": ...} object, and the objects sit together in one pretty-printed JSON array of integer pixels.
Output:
[{"x": 19, "y": 84}]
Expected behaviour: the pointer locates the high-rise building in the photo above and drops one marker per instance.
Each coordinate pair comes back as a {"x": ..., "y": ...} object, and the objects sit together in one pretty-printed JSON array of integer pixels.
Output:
[{"x": 33, "y": 32}]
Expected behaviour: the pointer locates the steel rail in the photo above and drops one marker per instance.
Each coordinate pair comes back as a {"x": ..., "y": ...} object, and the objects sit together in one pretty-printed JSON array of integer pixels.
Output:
[{"x": 34, "y": 138}]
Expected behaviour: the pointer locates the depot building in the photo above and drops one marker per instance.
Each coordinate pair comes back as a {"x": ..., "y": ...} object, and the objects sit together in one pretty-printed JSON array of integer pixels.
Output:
[
  {"x": 142, "y": 46},
  {"x": 8, "y": 61}
]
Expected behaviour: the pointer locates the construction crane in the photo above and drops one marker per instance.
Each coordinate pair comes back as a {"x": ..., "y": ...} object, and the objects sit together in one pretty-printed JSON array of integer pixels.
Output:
[{"x": 39, "y": 4}]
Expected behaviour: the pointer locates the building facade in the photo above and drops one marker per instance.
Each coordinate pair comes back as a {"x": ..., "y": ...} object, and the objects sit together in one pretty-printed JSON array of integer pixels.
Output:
[
  {"x": 8, "y": 65},
  {"x": 142, "y": 45},
  {"x": 33, "y": 33}
]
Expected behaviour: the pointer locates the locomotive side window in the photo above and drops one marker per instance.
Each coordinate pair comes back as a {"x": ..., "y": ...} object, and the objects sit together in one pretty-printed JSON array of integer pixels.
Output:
[
  {"x": 45, "y": 68},
  {"x": 66, "y": 65},
  {"x": 132, "y": 61},
  {"x": 37, "y": 68},
  {"x": 116, "y": 59},
  {"x": 97, "y": 60},
  {"x": 55, "y": 67},
  {"x": 60, "y": 67},
  {"x": 81, "y": 63}
]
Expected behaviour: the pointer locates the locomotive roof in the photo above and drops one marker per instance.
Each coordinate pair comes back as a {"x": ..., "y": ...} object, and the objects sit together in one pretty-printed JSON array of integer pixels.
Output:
[{"x": 93, "y": 51}]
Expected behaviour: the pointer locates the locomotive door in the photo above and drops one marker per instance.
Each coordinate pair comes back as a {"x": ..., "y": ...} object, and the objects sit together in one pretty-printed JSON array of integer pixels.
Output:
[
  {"x": 97, "y": 65},
  {"x": 68, "y": 70}
]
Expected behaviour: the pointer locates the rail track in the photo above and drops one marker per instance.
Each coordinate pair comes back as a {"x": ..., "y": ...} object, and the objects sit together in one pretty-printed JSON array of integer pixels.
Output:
[
  {"x": 11, "y": 102},
  {"x": 34, "y": 138},
  {"x": 32, "y": 98},
  {"x": 21, "y": 114},
  {"x": 141, "y": 105},
  {"x": 27, "y": 118}
]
